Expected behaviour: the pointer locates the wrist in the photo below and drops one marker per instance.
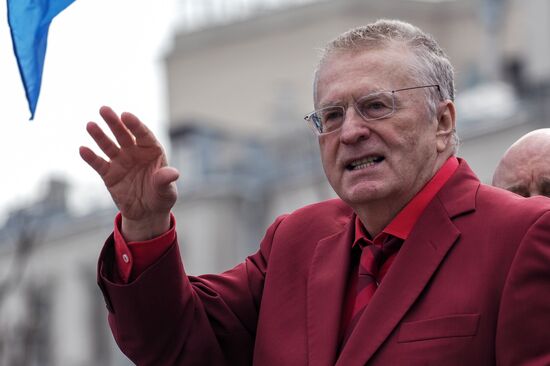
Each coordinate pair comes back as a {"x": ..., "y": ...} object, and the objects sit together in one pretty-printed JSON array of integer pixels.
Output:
[{"x": 146, "y": 229}]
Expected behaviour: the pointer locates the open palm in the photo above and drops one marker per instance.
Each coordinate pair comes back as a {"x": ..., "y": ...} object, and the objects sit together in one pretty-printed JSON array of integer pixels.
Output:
[{"x": 136, "y": 175}]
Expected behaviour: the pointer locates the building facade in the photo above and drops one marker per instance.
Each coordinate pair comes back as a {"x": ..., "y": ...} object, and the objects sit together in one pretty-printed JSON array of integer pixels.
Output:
[{"x": 237, "y": 90}]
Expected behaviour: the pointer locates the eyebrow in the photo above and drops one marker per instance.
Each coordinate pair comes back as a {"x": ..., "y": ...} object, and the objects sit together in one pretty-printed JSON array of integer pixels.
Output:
[
  {"x": 330, "y": 104},
  {"x": 339, "y": 103}
]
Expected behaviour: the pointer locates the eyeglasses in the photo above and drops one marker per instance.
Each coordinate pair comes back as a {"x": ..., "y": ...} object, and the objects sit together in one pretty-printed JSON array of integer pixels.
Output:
[{"x": 370, "y": 107}]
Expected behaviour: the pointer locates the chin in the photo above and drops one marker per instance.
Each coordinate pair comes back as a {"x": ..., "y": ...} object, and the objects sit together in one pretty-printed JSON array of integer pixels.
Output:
[{"x": 361, "y": 195}]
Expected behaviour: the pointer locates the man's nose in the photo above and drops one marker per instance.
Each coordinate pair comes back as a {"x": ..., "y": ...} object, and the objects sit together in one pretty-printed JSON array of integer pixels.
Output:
[{"x": 354, "y": 127}]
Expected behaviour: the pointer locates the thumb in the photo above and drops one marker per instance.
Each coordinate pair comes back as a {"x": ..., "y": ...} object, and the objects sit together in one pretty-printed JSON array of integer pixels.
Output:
[{"x": 164, "y": 179}]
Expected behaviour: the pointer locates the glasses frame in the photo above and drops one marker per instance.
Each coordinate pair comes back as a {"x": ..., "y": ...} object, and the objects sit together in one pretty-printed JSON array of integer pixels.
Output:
[{"x": 309, "y": 118}]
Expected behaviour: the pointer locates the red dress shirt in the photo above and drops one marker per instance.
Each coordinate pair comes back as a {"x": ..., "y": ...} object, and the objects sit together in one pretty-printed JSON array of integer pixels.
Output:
[
  {"x": 400, "y": 227},
  {"x": 136, "y": 256}
]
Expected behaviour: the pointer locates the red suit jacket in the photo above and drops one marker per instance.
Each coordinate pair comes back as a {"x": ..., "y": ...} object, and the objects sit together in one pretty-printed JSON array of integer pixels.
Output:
[{"x": 470, "y": 286}]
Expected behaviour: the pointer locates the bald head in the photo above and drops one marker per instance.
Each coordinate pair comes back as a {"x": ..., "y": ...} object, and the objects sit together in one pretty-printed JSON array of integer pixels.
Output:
[{"x": 525, "y": 167}]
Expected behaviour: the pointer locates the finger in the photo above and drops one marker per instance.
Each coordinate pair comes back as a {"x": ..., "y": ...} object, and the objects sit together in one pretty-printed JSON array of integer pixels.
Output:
[
  {"x": 164, "y": 183},
  {"x": 121, "y": 133},
  {"x": 144, "y": 136},
  {"x": 96, "y": 162},
  {"x": 166, "y": 176},
  {"x": 102, "y": 140}
]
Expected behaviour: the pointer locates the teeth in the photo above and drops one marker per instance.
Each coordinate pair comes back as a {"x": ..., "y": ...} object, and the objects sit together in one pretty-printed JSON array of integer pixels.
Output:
[{"x": 363, "y": 163}]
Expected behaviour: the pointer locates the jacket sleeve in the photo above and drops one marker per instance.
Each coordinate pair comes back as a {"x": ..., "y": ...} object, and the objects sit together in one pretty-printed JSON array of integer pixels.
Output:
[
  {"x": 523, "y": 329},
  {"x": 165, "y": 317}
]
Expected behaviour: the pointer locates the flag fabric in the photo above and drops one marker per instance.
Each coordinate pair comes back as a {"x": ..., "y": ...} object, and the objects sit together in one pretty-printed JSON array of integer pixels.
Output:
[{"x": 29, "y": 21}]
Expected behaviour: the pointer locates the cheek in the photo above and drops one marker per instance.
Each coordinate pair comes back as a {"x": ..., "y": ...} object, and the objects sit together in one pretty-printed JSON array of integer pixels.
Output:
[
  {"x": 422, "y": 141},
  {"x": 416, "y": 151},
  {"x": 327, "y": 149},
  {"x": 407, "y": 143},
  {"x": 329, "y": 153},
  {"x": 326, "y": 158}
]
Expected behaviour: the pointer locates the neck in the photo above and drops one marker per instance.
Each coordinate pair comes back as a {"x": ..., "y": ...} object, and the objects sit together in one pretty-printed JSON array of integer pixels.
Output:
[{"x": 376, "y": 215}]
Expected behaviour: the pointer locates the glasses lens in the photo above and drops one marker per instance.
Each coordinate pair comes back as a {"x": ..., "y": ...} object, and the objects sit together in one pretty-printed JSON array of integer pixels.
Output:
[
  {"x": 376, "y": 106},
  {"x": 329, "y": 119}
]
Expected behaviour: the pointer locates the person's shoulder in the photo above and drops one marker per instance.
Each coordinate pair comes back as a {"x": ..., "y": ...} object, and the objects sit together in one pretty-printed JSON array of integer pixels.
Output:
[
  {"x": 505, "y": 195},
  {"x": 506, "y": 201},
  {"x": 335, "y": 208}
]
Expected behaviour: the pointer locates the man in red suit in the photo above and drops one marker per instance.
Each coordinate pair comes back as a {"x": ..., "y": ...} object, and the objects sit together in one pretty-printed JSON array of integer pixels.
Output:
[{"x": 417, "y": 262}]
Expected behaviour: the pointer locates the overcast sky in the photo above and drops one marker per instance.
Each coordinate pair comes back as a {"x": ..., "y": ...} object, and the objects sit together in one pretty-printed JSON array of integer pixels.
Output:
[{"x": 100, "y": 52}]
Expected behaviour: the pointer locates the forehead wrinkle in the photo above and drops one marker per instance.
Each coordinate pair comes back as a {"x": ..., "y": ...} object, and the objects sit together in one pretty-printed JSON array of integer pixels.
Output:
[
  {"x": 372, "y": 63},
  {"x": 330, "y": 103}
]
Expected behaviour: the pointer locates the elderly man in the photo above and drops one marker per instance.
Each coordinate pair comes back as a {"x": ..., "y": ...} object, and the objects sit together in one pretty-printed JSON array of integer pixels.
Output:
[
  {"x": 417, "y": 262},
  {"x": 525, "y": 169}
]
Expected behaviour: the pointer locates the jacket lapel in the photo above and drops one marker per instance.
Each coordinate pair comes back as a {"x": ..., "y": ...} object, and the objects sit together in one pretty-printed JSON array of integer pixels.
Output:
[
  {"x": 418, "y": 259},
  {"x": 325, "y": 292}
]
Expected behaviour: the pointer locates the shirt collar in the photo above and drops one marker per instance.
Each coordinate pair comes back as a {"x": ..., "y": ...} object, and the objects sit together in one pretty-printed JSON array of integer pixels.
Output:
[{"x": 404, "y": 221}]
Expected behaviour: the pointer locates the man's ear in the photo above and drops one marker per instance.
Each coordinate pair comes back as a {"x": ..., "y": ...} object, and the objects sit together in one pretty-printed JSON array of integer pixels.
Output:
[{"x": 446, "y": 123}]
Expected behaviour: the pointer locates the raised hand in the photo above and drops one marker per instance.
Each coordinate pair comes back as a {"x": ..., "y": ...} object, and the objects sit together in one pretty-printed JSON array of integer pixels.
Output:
[{"x": 137, "y": 176}]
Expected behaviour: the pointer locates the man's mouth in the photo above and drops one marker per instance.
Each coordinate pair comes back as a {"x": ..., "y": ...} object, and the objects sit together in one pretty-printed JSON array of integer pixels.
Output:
[{"x": 364, "y": 163}]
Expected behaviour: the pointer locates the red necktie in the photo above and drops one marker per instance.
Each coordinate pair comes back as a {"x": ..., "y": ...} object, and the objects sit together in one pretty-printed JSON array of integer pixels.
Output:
[{"x": 374, "y": 263}]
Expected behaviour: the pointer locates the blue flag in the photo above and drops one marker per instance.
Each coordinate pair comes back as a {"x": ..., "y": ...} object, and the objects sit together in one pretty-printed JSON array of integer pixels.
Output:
[{"x": 29, "y": 22}]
